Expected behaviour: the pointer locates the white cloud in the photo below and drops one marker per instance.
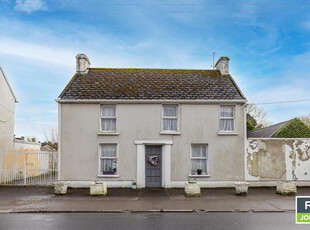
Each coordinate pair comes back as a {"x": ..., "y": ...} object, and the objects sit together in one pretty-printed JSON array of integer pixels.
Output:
[
  {"x": 30, "y": 5},
  {"x": 49, "y": 54}
]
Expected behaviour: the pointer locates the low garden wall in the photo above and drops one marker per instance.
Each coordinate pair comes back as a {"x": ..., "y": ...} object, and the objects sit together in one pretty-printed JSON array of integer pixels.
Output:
[{"x": 277, "y": 159}]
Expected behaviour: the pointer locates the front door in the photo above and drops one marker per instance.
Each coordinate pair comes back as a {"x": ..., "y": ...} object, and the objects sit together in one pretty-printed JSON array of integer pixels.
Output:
[{"x": 153, "y": 166}]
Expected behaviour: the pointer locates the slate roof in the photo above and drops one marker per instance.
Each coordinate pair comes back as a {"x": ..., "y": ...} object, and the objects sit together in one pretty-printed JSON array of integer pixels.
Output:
[
  {"x": 151, "y": 84},
  {"x": 267, "y": 132}
]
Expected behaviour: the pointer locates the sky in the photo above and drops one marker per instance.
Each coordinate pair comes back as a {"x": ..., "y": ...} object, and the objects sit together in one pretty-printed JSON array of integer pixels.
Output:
[{"x": 267, "y": 41}]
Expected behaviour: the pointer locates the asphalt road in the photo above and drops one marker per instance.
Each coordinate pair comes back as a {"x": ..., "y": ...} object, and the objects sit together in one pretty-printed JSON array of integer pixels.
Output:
[{"x": 151, "y": 221}]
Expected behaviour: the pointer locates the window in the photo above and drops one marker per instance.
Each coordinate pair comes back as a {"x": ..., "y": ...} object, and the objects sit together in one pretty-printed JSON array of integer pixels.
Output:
[
  {"x": 108, "y": 118},
  {"x": 199, "y": 157},
  {"x": 108, "y": 159},
  {"x": 170, "y": 118},
  {"x": 227, "y": 118}
]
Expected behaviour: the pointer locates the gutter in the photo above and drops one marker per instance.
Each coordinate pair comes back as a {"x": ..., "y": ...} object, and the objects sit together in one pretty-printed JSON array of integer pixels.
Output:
[{"x": 104, "y": 101}]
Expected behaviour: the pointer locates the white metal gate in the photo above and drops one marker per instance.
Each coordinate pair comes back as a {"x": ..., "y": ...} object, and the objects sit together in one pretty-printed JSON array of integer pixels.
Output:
[{"x": 28, "y": 168}]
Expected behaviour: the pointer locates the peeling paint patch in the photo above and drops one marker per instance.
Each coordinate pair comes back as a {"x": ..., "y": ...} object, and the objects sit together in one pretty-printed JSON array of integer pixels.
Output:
[{"x": 269, "y": 159}]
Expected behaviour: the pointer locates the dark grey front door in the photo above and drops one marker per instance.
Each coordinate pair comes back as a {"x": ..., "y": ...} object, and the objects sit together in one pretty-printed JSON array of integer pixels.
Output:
[{"x": 153, "y": 166}]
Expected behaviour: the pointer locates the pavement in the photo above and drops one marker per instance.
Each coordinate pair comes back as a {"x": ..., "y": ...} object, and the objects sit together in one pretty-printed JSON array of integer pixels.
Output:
[
  {"x": 43, "y": 199},
  {"x": 150, "y": 221}
]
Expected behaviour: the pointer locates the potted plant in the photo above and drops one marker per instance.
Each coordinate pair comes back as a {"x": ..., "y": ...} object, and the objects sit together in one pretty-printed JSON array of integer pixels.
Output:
[{"x": 199, "y": 171}]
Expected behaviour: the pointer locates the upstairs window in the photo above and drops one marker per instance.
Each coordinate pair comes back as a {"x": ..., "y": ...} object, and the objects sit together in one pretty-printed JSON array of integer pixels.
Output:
[
  {"x": 108, "y": 118},
  {"x": 170, "y": 118},
  {"x": 199, "y": 158},
  {"x": 108, "y": 159},
  {"x": 227, "y": 118}
]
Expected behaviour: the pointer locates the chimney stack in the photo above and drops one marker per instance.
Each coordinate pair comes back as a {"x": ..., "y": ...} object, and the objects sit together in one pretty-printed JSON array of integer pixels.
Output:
[
  {"x": 82, "y": 63},
  {"x": 223, "y": 65}
]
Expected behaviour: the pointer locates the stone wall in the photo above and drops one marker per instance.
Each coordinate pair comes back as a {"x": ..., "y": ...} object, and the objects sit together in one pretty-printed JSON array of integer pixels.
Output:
[{"x": 277, "y": 159}]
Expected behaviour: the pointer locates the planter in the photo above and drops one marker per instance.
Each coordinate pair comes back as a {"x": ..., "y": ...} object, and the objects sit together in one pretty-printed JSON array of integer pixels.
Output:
[
  {"x": 192, "y": 188},
  {"x": 61, "y": 187},
  {"x": 98, "y": 189},
  {"x": 286, "y": 188},
  {"x": 241, "y": 188},
  {"x": 134, "y": 185}
]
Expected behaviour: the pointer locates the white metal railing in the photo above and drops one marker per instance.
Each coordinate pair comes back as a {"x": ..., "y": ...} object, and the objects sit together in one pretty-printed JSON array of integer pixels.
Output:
[{"x": 28, "y": 168}]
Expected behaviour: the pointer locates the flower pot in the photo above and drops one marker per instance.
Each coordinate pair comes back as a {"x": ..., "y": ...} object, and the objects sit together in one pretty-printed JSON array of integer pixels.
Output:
[
  {"x": 241, "y": 188},
  {"x": 61, "y": 187},
  {"x": 192, "y": 188},
  {"x": 199, "y": 171},
  {"x": 98, "y": 189},
  {"x": 286, "y": 188}
]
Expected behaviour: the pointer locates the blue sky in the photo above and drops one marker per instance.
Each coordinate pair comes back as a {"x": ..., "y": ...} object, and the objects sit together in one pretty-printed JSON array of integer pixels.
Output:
[{"x": 267, "y": 41}]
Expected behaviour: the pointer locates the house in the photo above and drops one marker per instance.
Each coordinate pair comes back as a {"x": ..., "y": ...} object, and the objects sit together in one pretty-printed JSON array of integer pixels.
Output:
[
  {"x": 21, "y": 144},
  {"x": 154, "y": 127},
  {"x": 293, "y": 128},
  {"x": 7, "y": 112}
]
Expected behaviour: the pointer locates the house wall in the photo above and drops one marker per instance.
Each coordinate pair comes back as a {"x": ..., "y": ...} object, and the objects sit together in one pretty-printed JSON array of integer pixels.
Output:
[
  {"x": 7, "y": 110},
  {"x": 24, "y": 145},
  {"x": 199, "y": 123},
  {"x": 278, "y": 159}
]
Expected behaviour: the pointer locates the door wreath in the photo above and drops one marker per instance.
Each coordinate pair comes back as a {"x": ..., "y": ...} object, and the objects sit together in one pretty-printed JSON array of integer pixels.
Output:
[{"x": 153, "y": 160}]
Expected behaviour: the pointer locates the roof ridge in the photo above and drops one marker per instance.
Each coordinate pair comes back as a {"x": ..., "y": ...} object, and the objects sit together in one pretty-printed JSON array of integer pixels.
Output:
[
  {"x": 100, "y": 68},
  {"x": 270, "y": 126}
]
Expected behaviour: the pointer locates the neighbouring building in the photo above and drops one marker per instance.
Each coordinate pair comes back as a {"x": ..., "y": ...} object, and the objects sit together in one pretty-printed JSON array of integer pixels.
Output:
[
  {"x": 7, "y": 112},
  {"x": 155, "y": 127},
  {"x": 294, "y": 128},
  {"x": 25, "y": 145}
]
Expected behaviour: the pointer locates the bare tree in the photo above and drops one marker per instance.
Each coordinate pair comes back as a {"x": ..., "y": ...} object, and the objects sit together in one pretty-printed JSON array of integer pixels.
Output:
[
  {"x": 259, "y": 114},
  {"x": 306, "y": 119},
  {"x": 51, "y": 135}
]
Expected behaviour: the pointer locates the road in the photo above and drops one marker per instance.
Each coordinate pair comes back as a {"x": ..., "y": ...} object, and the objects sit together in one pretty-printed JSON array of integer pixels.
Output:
[{"x": 150, "y": 221}]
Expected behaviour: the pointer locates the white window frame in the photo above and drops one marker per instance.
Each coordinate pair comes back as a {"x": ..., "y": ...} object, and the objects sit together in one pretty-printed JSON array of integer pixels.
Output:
[
  {"x": 100, "y": 174},
  {"x": 107, "y": 117},
  {"x": 199, "y": 158},
  {"x": 227, "y": 118},
  {"x": 165, "y": 117}
]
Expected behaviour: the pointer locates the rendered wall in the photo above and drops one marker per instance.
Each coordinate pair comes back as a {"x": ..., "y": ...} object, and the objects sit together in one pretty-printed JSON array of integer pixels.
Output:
[
  {"x": 199, "y": 123},
  {"x": 7, "y": 110},
  {"x": 278, "y": 159}
]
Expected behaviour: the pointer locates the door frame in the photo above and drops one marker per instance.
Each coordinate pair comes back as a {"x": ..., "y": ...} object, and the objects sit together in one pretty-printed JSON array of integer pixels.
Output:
[
  {"x": 166, "y": 161},
  {"x": 160, "y": 165}
]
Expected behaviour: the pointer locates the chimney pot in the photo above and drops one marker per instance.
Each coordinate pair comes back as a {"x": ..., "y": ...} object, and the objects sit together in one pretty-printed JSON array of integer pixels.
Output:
[
  {"x": 223, "y": 65},
  {"x": 82, "y": 63}
]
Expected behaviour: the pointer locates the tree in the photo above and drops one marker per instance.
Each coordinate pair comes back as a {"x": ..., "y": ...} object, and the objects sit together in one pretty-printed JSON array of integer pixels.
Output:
[
  {"x": 256, "y": 117},
  {"x": 51, "y": 138},
  {"x": 51, "y": 135},
  {"x": 305, "y": 119}
]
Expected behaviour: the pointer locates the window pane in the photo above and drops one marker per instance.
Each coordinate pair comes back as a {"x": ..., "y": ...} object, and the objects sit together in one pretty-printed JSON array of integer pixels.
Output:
[
  {"x": 108, "y": 111},
  {"x": 108, "y": 150},
  {"x": 199, "y": 164},
  {"x": 170, "y": 124},
  {"x": 108, "y": 166},
  {"x": 227, "y": 124},
  {"x": 227, "y": 111},
  {"x": 199, "y": 150},
  {"x": 170, "y": 110},
  {"x": 108, "y": 124}
]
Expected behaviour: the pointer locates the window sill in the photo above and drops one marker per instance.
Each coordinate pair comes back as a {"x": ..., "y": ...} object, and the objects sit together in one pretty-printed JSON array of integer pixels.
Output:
[
  {"x": 169, "y": 133},
  {"x": 108, "y": 176},
  {"x": 227, "y": 133},
  {"x": 199, "y": 176},
  {"x": 108, "y": 134}
]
